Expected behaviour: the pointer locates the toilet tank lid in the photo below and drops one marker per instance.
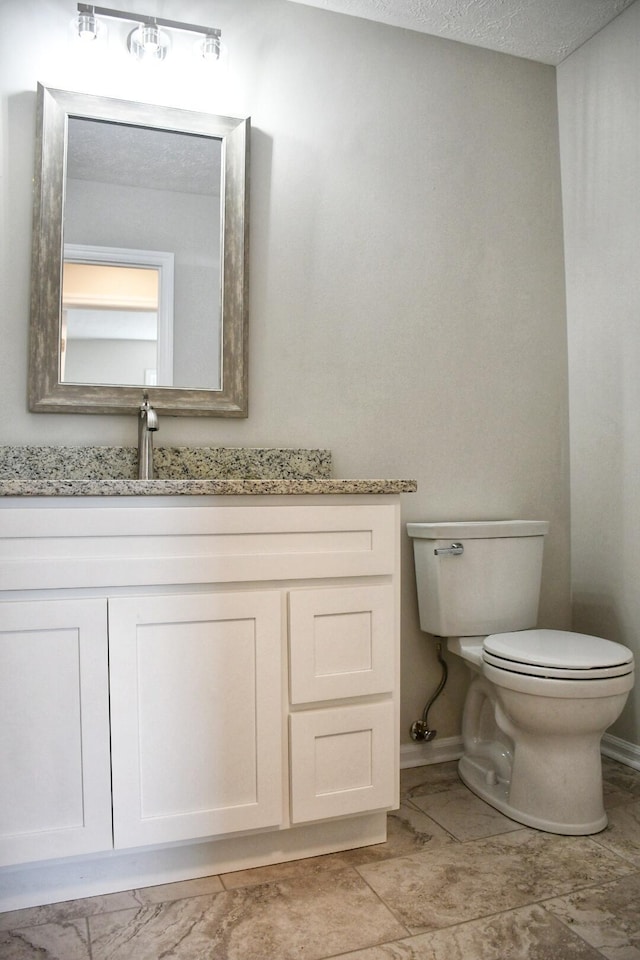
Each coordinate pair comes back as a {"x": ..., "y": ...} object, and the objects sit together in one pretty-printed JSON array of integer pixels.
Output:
[{"x": 477, "y": 529}]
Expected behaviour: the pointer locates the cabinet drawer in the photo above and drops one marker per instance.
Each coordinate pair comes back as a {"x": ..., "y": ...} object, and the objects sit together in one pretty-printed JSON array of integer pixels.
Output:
[
  {"x": 342, "y": 761},
  {"x": 138, "y": 544},
  {"x": 341, "y": 642}
]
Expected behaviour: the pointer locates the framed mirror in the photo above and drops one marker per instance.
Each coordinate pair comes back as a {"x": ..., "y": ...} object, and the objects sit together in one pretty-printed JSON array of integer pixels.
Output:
[{"x": 140, "y": 258}]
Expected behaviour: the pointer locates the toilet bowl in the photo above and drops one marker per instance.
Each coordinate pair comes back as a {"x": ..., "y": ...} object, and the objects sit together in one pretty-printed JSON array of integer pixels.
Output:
[
  {"x": 535, "y": 754},
  {"x": 539, "y": 700}
]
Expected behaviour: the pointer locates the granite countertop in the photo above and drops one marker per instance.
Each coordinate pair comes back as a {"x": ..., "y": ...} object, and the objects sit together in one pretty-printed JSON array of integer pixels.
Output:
[
  {"x": 180, "y": 471},
  {"x": 172, "y": 488}
]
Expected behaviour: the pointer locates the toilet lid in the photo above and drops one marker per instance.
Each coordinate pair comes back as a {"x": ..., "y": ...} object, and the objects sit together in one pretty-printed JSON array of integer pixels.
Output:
[{"x": 556, "y": 653}]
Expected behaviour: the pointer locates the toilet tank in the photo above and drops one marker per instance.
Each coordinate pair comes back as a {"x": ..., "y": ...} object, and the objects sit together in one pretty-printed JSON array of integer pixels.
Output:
[{"x": 492, "y": 586}]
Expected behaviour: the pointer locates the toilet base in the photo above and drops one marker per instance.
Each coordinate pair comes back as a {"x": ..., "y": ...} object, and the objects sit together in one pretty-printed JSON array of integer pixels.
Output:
[{"x": 479, "y": 775}]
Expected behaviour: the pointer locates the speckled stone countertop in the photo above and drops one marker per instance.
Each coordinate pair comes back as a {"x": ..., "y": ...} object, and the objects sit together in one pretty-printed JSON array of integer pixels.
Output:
[{"x": 180, "y": 471}]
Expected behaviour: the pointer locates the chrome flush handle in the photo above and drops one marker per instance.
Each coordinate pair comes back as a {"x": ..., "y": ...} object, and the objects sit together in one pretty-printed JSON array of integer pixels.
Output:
[{"x": 455, "y": 550}]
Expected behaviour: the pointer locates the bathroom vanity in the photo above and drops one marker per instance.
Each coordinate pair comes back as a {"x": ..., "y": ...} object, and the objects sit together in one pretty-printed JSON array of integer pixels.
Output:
[{"x": 197, "y": 677}]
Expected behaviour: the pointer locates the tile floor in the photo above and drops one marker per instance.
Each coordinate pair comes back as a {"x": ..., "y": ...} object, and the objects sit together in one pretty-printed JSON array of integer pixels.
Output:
[{"x": 455, "y": 881}]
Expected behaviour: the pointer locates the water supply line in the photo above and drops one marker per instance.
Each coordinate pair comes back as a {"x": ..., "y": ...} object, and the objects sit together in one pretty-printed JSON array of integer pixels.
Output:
[{"x": 420, "y": 728}]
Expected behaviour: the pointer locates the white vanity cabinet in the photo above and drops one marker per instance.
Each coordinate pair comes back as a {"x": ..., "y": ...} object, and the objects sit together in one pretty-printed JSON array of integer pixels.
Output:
[{"x": 192, "y": 685}]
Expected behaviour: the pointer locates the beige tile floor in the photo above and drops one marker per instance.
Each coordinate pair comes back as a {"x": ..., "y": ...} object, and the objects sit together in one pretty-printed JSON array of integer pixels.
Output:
[{"x": 455, "y": 881}]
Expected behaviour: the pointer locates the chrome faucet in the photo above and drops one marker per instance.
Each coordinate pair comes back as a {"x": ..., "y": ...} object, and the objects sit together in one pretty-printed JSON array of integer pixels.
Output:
[{"x": 147, "y": 425}]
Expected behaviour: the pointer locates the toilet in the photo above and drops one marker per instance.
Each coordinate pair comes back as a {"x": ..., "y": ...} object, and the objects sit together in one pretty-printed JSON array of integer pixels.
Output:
[{"x": 539, "y": 700}]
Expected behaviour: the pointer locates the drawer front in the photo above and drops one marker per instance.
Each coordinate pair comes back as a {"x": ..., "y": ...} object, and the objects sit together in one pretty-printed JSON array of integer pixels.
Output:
[
  {"x": 138, "y": 544},
  {"x": 342, "y": 761},
  {"x": 341, "y": 642}
]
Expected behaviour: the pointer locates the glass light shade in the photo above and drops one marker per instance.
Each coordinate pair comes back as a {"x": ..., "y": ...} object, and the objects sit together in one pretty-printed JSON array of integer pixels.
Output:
[
  {"x": 209, "y": 48},
  {"x": 147, "y": 42},
  {"x": 85, "y": 28}
]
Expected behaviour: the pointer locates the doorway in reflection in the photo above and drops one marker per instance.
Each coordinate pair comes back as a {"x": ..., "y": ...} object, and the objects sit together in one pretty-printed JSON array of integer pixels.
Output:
[{"x": 109, "y": 327}]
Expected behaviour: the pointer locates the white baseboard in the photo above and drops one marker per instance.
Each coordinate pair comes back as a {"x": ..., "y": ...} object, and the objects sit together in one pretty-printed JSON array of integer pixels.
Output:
[
  {"x": 436, "y": 751},
  {"x": 450, "y": 748},
  {"x": 622, "y": 750}
]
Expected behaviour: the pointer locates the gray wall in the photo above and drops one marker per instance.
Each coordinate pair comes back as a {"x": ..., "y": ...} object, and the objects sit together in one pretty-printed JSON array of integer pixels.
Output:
[
  {"x": 407, "y": 286},
  {"x": 599, "y": 98}
]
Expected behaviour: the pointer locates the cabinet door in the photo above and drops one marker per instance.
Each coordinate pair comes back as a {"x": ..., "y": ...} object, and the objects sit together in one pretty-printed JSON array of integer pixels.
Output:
[
  {"x": 342, "y": 761},
  {"x": 196, "y": 715},
  {"x": 55, "y": 799},
  {"x": 341, "y": 642}
]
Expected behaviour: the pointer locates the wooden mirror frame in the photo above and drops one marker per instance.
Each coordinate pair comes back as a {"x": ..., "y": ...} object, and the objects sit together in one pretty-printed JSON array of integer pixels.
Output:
[{"x": 47, "y": 394}]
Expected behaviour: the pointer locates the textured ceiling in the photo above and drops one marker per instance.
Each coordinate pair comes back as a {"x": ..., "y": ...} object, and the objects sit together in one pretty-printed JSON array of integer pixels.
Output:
[
  {"x": 543, "y": 30},
  {"x": 143, "y": 156}
]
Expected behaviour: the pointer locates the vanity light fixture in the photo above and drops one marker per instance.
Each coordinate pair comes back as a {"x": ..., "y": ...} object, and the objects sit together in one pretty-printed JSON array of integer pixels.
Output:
[{"x": 147, "y": 41}]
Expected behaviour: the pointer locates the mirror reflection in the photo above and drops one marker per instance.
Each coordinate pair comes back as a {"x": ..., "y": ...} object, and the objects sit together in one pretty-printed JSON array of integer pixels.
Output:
[
  {"x": 136, "y": 187},
  {"x": 112, "y": 318}
]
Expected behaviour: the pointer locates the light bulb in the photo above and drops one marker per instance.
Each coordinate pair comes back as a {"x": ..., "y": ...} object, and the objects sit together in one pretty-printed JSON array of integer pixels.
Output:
[{"x": 148, "y": 39}]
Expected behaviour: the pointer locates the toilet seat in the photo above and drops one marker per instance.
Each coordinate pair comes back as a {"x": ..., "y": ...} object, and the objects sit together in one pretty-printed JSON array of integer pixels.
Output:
[{"x": 557, "y": 654}]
